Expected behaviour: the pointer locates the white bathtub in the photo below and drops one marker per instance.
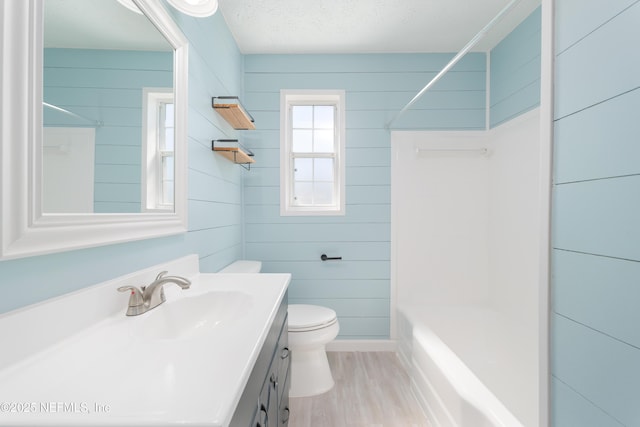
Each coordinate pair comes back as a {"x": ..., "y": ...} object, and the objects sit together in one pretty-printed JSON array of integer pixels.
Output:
[{"x": 469, "y": 366}]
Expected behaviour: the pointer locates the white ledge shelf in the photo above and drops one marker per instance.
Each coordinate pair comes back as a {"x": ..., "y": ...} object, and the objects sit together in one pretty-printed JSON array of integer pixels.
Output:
[{"x": 233, "y": 112}]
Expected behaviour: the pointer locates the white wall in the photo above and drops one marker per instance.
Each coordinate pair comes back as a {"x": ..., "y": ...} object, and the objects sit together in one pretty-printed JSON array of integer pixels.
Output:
[
  {"x": 514, "y": 227},
  {"x": 465, "y": 226},
  {"x": 440, "y": 203},
  {"x": 68, "y": 169}
]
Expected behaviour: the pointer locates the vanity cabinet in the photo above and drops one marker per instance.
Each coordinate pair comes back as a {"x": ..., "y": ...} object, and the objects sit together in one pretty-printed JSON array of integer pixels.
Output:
[{"x": 265, "y": 399}]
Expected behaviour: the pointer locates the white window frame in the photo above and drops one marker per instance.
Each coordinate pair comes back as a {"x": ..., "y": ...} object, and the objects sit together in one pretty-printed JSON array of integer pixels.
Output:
[
  {"x": 289, "y": 98},
  {"x": 152, "y": 155}
]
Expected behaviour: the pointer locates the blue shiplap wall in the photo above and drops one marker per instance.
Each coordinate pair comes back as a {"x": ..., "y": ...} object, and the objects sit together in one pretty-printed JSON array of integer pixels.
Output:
[
  {"x": 215, "y": 190},
  {"x": 106, "y": 86},
  {"x": 596, "y": 256},
  {"x": 377, "y": 87},
  {"x": 515, "y": 71}
]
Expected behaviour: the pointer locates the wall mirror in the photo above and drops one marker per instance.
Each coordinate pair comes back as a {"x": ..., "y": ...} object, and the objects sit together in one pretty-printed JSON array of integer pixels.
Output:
[{"x": 94, "y": 128}]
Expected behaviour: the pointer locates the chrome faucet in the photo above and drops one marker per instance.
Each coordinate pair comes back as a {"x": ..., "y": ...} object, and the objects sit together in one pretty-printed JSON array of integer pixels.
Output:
[{"x": 150, "y": 296}]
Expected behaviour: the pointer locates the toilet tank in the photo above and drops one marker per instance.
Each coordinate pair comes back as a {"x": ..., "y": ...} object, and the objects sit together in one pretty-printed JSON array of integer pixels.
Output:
[{"x": 243, "y": 266}]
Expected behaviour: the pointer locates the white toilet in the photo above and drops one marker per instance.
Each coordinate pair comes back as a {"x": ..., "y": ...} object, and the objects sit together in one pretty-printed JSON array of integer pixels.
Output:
[{"x": 311, "y": 328}]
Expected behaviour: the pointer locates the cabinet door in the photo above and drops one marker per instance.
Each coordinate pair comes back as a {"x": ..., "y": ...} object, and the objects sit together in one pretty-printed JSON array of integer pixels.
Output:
[
  {"x": 258, "y": 419},
  {"x": 273, "y": 397},
  {"x": 265, "y": 416},
  {"x": 283, "y": 359},
  {"x": 266, "y": 381},
  {"x": 283, "y": 406}
]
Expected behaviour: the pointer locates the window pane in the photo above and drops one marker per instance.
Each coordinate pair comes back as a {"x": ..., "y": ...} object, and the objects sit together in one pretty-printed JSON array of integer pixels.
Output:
[
  {"x": 302, "y": 141},
  {"x": 302, "y": 116},
  {"x": 303, "y": 169},
  {"x": 168, "y": 139},
  {"x": 323, "y": 194},
  {"x": 323, "y": 170},
  {"x": 323, "y": 116},
  {"x": 302, "y": 193},
  {"x": 168, "y": 174},
  {"x": 168, "y": 115},
  {"x": 167, "y": 179},
  {"x": 323, "y": 141},
  {"x": 167, "y": 192},
  {"x": 167, "y": 168}
]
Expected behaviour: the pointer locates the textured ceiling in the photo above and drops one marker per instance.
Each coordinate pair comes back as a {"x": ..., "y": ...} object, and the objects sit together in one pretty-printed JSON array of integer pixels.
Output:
[{"x": 366, "y": 26}]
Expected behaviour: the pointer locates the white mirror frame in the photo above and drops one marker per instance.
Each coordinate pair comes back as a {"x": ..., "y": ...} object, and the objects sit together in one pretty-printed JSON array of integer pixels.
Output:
[{"x": 26, "y": 230}]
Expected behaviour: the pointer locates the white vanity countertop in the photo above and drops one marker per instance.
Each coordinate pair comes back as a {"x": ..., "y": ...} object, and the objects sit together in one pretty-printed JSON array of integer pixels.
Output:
[{"x": 155, "y": 369}]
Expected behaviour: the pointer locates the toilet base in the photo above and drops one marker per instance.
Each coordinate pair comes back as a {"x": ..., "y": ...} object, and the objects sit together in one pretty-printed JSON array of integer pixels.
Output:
[{"x": 310, "y": 372}]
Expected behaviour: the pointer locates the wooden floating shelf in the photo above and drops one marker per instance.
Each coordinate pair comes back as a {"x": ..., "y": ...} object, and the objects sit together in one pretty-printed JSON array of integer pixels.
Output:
[
  {"x": 235, "y": 154},
  {"x": 232, "y": 111}
]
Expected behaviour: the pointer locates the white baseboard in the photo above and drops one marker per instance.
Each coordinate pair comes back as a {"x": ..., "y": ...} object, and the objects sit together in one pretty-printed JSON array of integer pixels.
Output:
[{"x": 362, "y": 345}]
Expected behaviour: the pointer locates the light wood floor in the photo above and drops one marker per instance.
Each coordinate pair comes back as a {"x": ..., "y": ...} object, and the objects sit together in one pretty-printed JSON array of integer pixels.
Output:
[{"x": 372, "y": 390}]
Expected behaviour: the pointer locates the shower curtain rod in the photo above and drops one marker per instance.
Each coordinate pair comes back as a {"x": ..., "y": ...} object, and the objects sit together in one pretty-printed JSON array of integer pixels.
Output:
[
  {"x": 456, "y": 58},
  {"x": 96, "y": 123}
]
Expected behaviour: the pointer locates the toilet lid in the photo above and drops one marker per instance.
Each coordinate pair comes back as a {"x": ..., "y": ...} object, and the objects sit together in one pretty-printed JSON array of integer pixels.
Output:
[{"x": 303, "y": 317}]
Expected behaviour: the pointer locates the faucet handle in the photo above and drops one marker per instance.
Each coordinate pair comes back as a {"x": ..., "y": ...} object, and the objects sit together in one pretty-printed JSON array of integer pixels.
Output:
[
  {"x": 135, "y": 300},
  {"x": 161, "y": 275}
]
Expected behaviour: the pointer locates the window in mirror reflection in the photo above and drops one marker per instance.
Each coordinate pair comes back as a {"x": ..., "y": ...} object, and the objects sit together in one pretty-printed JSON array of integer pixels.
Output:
[
  {"x": 158, "y": 167},
  {"x": 167, "y": 154}
]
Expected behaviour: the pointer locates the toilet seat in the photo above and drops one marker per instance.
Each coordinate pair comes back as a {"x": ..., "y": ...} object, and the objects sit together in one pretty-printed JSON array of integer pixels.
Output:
[{"x": 304, "y": 318}]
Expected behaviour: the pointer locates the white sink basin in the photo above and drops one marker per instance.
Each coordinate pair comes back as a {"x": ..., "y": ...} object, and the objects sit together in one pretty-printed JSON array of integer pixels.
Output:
[
  {"x": 186, "y": 362},
  {"x": 194, "y": 316}
]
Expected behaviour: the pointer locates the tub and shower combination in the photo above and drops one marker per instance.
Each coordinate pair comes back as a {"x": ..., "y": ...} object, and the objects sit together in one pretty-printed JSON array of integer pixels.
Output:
[{"x": 465, "y": 265}]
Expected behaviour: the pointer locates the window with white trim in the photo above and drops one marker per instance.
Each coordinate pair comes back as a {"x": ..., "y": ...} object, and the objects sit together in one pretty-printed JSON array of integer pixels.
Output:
[
  {"x": 312, "y": 141},
  {"x": 158, "y": 150}
]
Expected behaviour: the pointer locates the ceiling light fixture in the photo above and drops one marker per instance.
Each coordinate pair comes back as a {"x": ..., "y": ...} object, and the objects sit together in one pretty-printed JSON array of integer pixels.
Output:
[{"x": 197, "y": 8}]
